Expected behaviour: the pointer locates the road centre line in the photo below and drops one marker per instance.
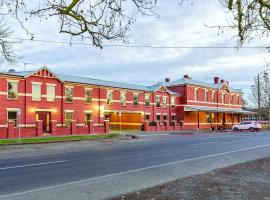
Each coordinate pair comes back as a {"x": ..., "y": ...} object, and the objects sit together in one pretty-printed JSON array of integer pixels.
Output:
[{"x": 33, "y": 164}]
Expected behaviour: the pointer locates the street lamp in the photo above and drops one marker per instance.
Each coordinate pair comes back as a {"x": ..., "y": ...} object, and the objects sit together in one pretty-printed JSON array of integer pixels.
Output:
[{"x": 19, "y": 124}]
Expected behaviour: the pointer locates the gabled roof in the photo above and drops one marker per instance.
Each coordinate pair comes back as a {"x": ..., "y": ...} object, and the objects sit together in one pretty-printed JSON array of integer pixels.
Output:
[
  {"x": 185, "y": 81},
  {"x": 159, "y": 85}
]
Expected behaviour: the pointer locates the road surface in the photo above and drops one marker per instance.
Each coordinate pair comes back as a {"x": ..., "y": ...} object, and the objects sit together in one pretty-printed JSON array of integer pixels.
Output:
[{"x": 118, "y": 168}]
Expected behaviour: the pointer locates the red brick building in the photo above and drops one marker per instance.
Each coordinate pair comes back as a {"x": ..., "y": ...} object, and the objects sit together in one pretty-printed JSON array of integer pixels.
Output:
[{"x": 44, "y": 102}]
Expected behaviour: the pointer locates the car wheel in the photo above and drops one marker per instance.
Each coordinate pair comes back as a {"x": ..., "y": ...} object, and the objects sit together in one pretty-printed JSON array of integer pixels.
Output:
[
  {"x": 251, "y": 129},
  {"x": 235, "y": 129}
]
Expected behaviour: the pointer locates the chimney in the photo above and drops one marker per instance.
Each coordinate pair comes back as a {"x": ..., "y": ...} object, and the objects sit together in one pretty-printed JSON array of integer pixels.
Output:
[
  {"x": 187, "y": 76},
  {"x": 222, "y": 81},
  {"x": 167, "y": 80},
  {"x": 216, "y": 80}
]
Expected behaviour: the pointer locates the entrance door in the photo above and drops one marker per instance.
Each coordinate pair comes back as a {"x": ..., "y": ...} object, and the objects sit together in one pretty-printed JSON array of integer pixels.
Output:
[{"x": 45, "y": 118}]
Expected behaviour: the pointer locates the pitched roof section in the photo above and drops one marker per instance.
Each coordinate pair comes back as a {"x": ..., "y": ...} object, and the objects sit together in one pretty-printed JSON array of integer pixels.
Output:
[
  {"x": 91, "y": 81},
  {"x": 184, "y": 81}
]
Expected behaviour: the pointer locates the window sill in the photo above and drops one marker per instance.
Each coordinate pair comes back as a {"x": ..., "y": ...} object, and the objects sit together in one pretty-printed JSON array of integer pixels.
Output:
[
  {"x": 12, "y": 99},
  {"x": 36, "y": 100}
]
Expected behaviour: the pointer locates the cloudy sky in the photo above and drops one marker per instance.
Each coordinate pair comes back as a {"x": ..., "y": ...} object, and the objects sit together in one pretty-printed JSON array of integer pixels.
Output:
[{"x": 178, "y": 25}]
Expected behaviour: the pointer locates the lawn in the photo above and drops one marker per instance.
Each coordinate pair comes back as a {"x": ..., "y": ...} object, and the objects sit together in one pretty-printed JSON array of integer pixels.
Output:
[{"x": 56, "y": 139}]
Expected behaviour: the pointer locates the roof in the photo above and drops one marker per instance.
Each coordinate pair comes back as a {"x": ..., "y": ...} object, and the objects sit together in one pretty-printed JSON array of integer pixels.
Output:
[
  {"x": 91, "y": 81},
  {"x": 184, "y": 81},
  {"x": 216, "y": 109}
]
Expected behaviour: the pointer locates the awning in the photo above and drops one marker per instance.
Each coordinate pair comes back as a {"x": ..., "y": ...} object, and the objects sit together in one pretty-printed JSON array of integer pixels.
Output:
[{"x": 216, "y": 110}]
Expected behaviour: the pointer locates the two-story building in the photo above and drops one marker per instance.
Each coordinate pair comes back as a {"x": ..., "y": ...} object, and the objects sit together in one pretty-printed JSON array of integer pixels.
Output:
[{"x": 65, "y": 104}]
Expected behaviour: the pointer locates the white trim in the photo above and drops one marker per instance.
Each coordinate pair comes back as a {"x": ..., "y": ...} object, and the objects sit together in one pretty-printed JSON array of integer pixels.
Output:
[
  {"x": 13, "y": 109},
  {"x": 13, "y": 80},
  {"x": 68, "y": 110},
  {"x": 41, "y": 109},
  {"x": 51, "y": 84},
  {"x": 36, "y": 83},
  {"x": 68, "y": 86},
  {"x": 88, "y": 111}
]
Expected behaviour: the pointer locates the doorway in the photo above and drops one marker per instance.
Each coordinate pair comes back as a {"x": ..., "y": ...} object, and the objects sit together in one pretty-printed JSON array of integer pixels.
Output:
[{"x": 45, "y": 117}]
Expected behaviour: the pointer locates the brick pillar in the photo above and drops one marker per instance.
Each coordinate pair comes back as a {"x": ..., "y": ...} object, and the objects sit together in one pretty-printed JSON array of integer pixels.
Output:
[
  {"x": 174, "y": 125},
  {"x": 39, "y": 128},
  {"x": 107, "y": 126},
  {"x": 146, "y": 126},
  {"x": 53, "y": 127},
  {"x": 91, "y": 127},
  {"x": 157, "y": 126},
  {"x": 11, "y": 129},
  {"x": 73, "y": 127},
  {"x": 167, "y": 125}
]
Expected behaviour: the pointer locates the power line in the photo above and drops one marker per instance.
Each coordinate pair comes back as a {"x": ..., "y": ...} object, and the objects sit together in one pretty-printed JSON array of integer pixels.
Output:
[{"x": 140, "y": 46}]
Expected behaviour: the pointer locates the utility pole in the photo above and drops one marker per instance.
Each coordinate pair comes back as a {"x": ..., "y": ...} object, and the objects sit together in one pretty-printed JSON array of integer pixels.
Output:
[{"x": 259, "y": 99}]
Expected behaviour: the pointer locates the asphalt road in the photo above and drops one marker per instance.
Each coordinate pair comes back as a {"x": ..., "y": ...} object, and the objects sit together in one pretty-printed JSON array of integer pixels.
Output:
[{"x": 110, "y": 170}]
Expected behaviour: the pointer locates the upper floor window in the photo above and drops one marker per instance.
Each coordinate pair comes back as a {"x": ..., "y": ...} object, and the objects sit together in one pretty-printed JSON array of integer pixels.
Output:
[
  {"x": 232, "y": 100},
  {"x": 12, "y": 90},
  {"x": 164, "y": 101},
  {"x": 238, "y": 100},
  {"x": 173, "y": 102},
  {"x": 123, "y": 98},
  {"x": 147, "y": 100},
  {"x": 196, "y": 95},
  {"x": 109, "y": 97},
  {"x": 69, "y": 94},
  {"x": 50, "y": 92},
  {"x": 135, "y": 99},
  {"x": 213, "y": 97},
  {"x": 158, "y": 101},
  {"x": 88, "y": 95},
  {"x": 36, "y": 91},
  {"x": 223, "y": 98},
  {"x": 206, "y": 96}
]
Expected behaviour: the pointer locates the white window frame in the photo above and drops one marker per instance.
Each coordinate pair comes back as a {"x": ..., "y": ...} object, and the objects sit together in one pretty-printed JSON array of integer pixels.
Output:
[
  {"x": 123, "y": 101},
  {"x": 196, "y": 94},
  {"x": 147, "y": 96},
  {"x": 17, "y": 85},
  {"x": 72, "y": 98},
  {"x": 109, "y": 101},
  {"x": 54, "y": 95},
  {"x": 164, "y": 103},
  {"x": 40, "y": 91},
  {"x": 85, "y": 97}
]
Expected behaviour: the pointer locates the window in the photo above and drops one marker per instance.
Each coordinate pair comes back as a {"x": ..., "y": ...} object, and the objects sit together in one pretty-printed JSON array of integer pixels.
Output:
[
  {"x": 109, "y": 97},
  {"x": 223, "y": 98},
  {"x": 164, "y": 101},
  {"x": 209, "y": 117},
  {"x": 147, "y": 117},
  {"x": 88, "y": 117},
  {"x": 173, "y": 102},
  {"x": 50, "y": 93},
  {"x": 12, "y": 116},
  {"x": 12, "y": 90},
  {"x": 196, "y": 94},
  {"x": 68, "y": 118},
  {"x": 173, "y": 117},
  {"x": 88, "y": 95},
  {"x": 135, "y": 99},
  {"x": 36, "y": 92},
  {"x": 164, "y": 117},
  {"x": 213, "y": 97},
  {"x": 158, "y": 101},
  {"x": 158, "y": 117},
  {"x": 147, "y": 100},
  {"x": 238, "y": 100},
  {"x": 69, "y": 94},
  {"x": 123, "y": 98},
  {"x": 232, "y": 100},
  {"x": 206, "y": 96}
]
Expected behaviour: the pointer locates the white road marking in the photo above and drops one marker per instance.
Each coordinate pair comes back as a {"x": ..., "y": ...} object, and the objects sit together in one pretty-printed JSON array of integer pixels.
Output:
[
  {"x": 204, "y": 143},
  {"x": 131, "y": 171},
  {"x": 33, "y": 164}
]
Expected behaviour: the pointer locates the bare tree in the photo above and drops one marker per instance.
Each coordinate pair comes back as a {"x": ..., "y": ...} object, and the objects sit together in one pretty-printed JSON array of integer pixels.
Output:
[
  {"x": 96, "y": 20},
  {"x": 7, "y": 52},
  {"x": 251, "y": 18}
]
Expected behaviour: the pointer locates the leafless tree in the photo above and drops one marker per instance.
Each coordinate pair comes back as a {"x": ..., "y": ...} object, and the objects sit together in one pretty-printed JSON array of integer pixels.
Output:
[
  {"x": 7, "y": 52},
  {"x": 96, "y": 20},
  {"x": 251, "y": 18}
]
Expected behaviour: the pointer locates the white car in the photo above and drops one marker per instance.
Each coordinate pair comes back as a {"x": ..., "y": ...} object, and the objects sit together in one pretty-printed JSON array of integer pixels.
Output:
[{"x": 252, "y": 126}]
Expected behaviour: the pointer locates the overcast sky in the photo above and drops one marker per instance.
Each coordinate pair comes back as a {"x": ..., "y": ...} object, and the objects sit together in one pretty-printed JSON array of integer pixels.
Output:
[{"x": 178, "y": 25}]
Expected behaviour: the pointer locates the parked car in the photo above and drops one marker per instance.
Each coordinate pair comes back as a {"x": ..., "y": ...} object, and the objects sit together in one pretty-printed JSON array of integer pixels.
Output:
[{"x": 252, "y": 126}]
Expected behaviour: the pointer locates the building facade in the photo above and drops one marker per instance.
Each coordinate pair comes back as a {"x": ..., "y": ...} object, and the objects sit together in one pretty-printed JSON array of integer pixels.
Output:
[{"x": 43, "y": 102}]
